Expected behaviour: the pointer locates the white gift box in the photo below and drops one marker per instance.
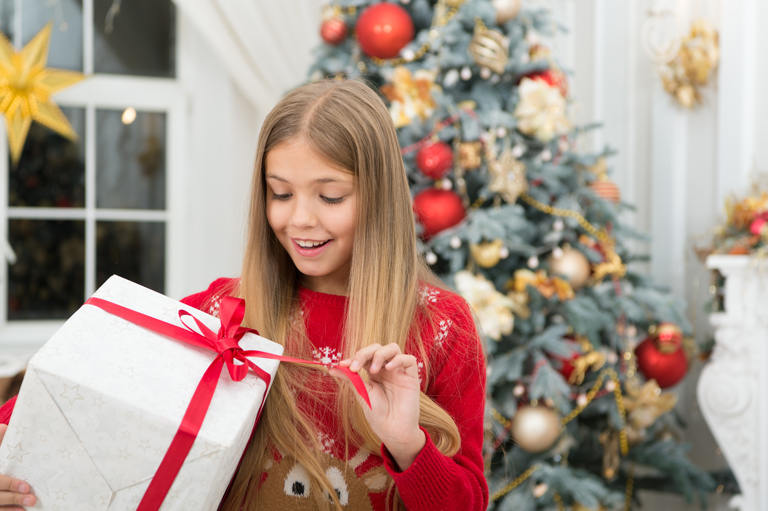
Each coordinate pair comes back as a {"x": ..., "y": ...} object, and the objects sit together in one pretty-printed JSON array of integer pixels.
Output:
[{"x": 102, "y": 401}]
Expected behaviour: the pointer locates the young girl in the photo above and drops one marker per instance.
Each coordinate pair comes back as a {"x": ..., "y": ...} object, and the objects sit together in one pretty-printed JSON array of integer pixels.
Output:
[{"x": 332, "y": 272}]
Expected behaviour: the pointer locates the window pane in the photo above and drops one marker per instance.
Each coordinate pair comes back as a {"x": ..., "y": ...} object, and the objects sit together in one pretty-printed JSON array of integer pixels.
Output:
[
  {"x": 130, "y": 160},
  {"x": 133, "y": 250},
  {"x": 51, "y": 170},
  {"x": 136, "y": 38},
  {"x": 48, "y": 280},
  {"x": 66, "y": 49},
  {"x": 7, "y": 9}
]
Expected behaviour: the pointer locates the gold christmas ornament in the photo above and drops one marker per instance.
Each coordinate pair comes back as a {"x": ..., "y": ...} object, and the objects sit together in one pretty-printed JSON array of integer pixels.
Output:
[
  {"x": 612, "y": 265},
  {"x": 600, "y": 167},
  {"x": 573, "y": 265},
  {"x": 470, "y": 155},
  {"x": 593, "y": 360},
  {"x": 489, "y": 48},
  {"x": 535, "y": 428},
  {"x": 547, "y": 286},
  {"x": 541, "y": 110},
  {"x": 579, "y": 507},
  {"x": 644, "y": 405},
  {"x": 26, "y": 86},
  {"x": 506, "y": 9},
  {"x": 508, "y": 177},
  {"x": 487, "y": 254},
  {"x": 693, "y": 65}
]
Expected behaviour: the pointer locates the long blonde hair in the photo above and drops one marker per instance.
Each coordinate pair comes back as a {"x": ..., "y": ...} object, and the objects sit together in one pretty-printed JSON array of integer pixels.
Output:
[{"x": 347, "y": 124}]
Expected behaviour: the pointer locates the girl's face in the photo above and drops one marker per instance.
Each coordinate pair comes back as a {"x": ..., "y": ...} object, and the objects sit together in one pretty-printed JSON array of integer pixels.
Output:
[{"x": 311, "y": 207}]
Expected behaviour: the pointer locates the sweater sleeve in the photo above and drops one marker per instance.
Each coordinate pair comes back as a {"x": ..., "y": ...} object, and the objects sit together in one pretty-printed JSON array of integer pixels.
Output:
[
  {"x": 6, "y": 410},
  {"x": 435, "y": 481}
]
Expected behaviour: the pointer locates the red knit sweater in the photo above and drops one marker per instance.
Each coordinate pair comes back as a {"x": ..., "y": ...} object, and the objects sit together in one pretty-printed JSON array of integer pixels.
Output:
[{"x": 456, "y": 382}]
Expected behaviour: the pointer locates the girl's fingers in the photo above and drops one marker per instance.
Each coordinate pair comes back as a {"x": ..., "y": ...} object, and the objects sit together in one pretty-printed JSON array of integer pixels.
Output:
[
  {"x": 361, "y": 358},
  {"x": 384, "y": 355},
  {"x": 13, "y": 491},
  {"x": 405, "y": 362},
  {"x": 372, "y": 357},
  {"x": 9, "y": 498}
]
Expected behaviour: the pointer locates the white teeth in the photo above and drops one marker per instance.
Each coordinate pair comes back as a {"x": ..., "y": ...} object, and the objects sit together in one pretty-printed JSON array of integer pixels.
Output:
[{"x": 309, "y": 244}]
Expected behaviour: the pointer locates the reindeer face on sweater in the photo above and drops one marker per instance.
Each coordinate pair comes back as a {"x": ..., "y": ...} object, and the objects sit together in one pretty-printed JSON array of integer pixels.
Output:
[{"x": 286, "y": 481}]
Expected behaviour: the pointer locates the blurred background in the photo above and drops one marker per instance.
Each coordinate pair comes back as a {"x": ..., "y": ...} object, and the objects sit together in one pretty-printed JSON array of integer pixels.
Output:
[{"x": 155, "y": 187}]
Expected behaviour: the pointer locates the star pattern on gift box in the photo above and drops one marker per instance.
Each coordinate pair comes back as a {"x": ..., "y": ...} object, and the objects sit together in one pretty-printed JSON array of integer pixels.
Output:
[
  {"x": 71, "y": 393},
  {"x": 21, "y": 428},
  {"x": 16, "y": 452},
  {"x": 210, "y": 449},
  {"x": 123, "y": 453},
  {"x": 60, "y": 494},
  {"x": 64, "y": 454},
  {"x": 98, "y": 402},
  {"x": 144, "y": 445},
  {"x": 121, "y": 325}
]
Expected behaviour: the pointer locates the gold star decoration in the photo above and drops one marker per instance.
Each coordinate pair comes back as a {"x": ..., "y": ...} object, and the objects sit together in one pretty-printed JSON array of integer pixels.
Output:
[
  {"x": 26, "y": 86},
  {"x": 507, "y": 176},
  {"x": 644, "y": 405}
]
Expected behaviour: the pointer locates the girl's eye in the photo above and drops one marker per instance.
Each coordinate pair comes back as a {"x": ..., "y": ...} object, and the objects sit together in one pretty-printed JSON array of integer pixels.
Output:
[
  {"x": 332, "y": 200},
  {"x": 284, "y": 196}
]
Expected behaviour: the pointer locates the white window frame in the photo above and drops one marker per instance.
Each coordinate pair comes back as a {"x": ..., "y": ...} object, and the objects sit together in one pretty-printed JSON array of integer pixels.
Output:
[{"x": 101, "y": 91}]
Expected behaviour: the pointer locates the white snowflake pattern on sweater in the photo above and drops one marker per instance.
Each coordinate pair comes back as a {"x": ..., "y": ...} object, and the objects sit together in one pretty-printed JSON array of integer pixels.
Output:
[
  {"x": 213, "y": 309},
  {"x": 442, "y": 333},
  {"x": 428, "y": 294},
  {"x": 326, "y": 442},
  {"x": 327, "y": 356}
]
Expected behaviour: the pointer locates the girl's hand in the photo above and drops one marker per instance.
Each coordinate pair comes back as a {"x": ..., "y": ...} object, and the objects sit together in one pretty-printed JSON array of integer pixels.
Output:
[
  {"x": 13, "y": 492},
  {"x": 393, "y": 388}
]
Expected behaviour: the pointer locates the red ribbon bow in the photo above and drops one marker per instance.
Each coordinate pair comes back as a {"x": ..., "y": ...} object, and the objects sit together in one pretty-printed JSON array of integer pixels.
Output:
[{"x": 225, "y": 344}]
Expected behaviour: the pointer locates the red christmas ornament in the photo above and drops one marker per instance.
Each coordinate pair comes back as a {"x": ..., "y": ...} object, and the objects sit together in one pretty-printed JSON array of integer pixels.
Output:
[
  {"x": 438, "y": 210},
  {"x": 553, "y": 78},
  {"x": 606, "y": 189},
  {"x": 566, "y": 369},
  {"x": 661, "y": 357},
  {"x": 333, "y": 31},
  {"x": 435, "y": 160},
  {"x": 384, "y": 29}
]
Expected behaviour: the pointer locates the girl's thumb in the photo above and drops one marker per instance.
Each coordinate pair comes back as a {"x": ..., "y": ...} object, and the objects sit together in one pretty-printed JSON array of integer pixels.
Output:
[{"x": 3, "y": 427}]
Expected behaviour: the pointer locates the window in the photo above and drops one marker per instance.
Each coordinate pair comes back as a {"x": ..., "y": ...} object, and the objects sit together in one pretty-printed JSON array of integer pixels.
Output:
[{"x": 75, "y": 213}]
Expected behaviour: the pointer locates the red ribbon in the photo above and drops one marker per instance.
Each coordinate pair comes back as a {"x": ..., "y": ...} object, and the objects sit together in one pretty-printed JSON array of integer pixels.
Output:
[{"x": 225, "y": 344}]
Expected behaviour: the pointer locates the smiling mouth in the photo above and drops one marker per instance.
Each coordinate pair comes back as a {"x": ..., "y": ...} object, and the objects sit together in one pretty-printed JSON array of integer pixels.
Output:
[{"x": 308, "y": 245}]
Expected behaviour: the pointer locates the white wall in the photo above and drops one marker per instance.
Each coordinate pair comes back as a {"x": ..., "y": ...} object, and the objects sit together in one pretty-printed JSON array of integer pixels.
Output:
[
  {"x": 674, "y": 165},
  {"x": 222, "y": 128}
]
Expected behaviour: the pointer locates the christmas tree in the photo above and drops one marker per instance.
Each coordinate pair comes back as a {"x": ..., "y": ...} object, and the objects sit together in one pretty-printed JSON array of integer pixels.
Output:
[{"x": 528, "y": 229}]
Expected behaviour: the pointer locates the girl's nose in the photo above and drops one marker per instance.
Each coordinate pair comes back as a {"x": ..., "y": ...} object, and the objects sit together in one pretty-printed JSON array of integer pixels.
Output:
[{"x": 303, "y": 215}]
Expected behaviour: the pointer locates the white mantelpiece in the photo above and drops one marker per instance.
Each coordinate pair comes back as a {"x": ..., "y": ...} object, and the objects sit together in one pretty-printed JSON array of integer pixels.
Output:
[{"x": 733, "y": 387}]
